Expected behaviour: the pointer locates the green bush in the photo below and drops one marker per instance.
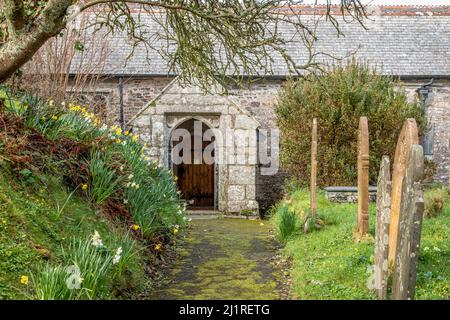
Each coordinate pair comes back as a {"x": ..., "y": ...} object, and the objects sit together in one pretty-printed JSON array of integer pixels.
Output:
[
  {"x": 435, "y": 201},
  {"x": 337, "y": 99}
]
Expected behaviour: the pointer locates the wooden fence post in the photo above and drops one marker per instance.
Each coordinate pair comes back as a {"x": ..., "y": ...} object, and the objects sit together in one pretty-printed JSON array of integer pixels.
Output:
[
  {"x": 363, "y": 177},
  {"x": 313, "y": 186}
]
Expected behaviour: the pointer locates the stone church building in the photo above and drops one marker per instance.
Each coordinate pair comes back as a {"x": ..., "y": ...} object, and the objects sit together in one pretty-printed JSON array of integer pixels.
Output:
[{"x": 411, "y": 43}]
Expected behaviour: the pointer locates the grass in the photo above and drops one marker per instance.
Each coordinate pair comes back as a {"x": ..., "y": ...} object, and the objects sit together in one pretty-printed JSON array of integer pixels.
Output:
[
  {"x": 36, "y": 237},
  {"x": 329, "y": 264},
  {"x": 79, "y": 201}
]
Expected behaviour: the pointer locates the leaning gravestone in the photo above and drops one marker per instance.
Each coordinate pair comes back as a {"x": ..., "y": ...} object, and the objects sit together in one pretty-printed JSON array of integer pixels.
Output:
[
  {"x": 409, "y": 227},
  {"x": 363, "y": 177},
  {"x": 382, "y": 229},
  {"x": 313, "y": 168},
  {"x": 408, "y": 137}
]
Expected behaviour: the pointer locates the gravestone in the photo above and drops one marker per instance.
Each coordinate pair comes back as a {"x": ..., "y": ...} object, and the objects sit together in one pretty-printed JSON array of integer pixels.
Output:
[
  {"x": 409, "y": 227},
  {"x": 382, "y": 229},
  {"x": 313, "y": 185},
  {"x": 408, "y": 137},
  {"x": 363, "y": 177}
]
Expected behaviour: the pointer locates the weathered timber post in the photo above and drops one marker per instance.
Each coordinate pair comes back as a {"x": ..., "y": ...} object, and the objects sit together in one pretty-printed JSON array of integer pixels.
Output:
[
  {"x": 313, "y": 186},
  {"x": 382, "y": 229},
  {"x": 363, "y": 177},
  {"x": 408, "y": 137},
  {"x": 409, "y": 227}
]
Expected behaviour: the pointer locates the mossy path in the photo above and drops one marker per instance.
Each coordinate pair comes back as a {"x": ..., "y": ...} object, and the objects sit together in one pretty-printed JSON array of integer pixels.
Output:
[{"x": 223, "y": 259}]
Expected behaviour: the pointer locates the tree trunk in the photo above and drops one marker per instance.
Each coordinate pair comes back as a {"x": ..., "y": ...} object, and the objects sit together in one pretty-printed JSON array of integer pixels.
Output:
[{"x": 23, "y": 45}]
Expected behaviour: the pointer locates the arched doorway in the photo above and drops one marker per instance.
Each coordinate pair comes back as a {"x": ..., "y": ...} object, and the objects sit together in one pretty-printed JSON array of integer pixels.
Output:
[{"x": 192, "y": 158}]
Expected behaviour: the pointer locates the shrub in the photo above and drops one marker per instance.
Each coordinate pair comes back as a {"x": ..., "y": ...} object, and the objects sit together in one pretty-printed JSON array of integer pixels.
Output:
[
  {"x": 435, "y": 201},
  {"x": 337, "y": 99},
  {"x": 288, "y": 223}
]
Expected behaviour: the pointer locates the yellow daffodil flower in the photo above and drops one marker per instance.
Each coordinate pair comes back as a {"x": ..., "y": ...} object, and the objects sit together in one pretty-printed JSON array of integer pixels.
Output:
[
  {"x": 84, "y": 186},
  {"x": 24, "y": 280},
  {"x": 135, "y": 227}
]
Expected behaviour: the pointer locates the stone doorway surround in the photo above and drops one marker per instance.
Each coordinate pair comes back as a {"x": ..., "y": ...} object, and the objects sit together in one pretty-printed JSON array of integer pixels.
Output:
[{"x": 235, "y": 132}]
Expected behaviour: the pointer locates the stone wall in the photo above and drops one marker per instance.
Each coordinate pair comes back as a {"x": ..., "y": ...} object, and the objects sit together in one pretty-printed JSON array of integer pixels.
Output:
[
  {"x": 438, "y": 114},
  {"x": 259, "y": 100},
  {"x": 233, "y": 128},
  {"x": 256, "y": 102},
  {"x": 137, "y": 92}
]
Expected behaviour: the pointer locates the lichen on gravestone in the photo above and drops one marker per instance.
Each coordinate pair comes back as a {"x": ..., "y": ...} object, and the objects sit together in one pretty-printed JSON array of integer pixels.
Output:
[
  {"x": 409, "y": 227},
  {"x": 381, "y": 267}
]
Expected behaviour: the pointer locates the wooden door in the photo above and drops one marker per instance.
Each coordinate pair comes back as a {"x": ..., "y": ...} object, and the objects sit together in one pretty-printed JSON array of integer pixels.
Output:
[{"x": 196, "y": 182}]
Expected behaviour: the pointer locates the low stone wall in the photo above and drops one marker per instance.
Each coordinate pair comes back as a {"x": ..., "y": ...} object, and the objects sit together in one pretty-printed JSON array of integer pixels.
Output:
[{"x": 348, "y": 194}]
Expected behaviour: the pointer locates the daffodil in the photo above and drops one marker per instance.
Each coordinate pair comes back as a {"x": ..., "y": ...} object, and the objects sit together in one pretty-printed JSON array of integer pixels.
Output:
[
  {"x": 117, "y": 256},
  {"x": 135, "y": 227},
  {"x": 96, "y": 240},
  {"x": 84, "y": 186},
  {"x": 118, "y": 131},
  {"x": 24, "y": 280},
  {"x": 158, "y": 246}
]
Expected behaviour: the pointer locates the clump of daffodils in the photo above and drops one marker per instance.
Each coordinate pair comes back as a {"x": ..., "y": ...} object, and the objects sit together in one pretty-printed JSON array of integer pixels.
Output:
[
  {"x": 96, "y": 240},
  {"x": 133, "y": 185},
  {"x": 117, "y": 256}
]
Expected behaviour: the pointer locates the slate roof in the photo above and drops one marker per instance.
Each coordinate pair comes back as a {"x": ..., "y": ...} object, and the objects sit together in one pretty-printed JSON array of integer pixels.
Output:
[{"x": 401, "y": 41}]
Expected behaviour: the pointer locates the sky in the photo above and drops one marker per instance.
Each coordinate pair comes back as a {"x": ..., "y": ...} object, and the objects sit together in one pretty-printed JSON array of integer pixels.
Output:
[{"x": 393, "y": 2}]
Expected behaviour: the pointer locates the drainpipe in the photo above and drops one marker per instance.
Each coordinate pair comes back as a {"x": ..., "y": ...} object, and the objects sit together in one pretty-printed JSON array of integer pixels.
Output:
[
  {"x": 426, "y": 140},
  {"x": 121, "y": 113}
]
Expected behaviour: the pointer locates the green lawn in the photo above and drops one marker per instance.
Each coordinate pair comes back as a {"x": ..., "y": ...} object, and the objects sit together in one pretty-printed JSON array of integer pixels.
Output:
[{"x": 329, "y": 264}]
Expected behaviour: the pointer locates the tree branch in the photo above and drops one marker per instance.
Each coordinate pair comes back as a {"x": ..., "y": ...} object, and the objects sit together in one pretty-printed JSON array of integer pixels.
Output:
[{"x": 15, "y": 16}]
